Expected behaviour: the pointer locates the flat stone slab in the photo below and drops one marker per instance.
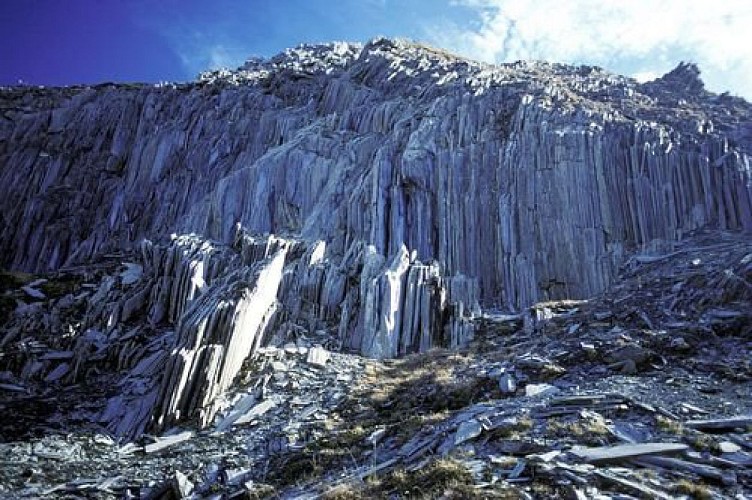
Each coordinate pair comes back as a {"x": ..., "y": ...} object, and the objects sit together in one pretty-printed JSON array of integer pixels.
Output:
[
  {"x": 167, "y": 441},
  {"x": 256, "y": 411},
  {"x": 467, "y": 431},
  {"x": 625, "y": 451},
  {"x": 719, "y": 424},
  {"x": 532, "y": 390}
]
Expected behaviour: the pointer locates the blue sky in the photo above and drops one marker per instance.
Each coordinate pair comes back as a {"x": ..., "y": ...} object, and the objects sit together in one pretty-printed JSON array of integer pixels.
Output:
[{"x": 60, "y": 42}]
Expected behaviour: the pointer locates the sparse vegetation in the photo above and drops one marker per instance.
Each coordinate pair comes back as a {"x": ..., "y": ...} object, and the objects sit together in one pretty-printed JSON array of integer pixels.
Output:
[
  {"x": 702, "y": 442},
  {"x": 695, "y": 490},
  {"x": 669, "y": 425},
  {"x": 443, "y": 477},
  {"x": 430, "y": 383},
  {"x": 261, "y": 491},
  {"x": 347, "y": 491},
  {"x": 10, "y": 281},
  {"x": 403, "y": 397},
  {"x": 60, "y": 286},
  {"x": 516, "y": 431},
  {"x": 588, "y": 431}
]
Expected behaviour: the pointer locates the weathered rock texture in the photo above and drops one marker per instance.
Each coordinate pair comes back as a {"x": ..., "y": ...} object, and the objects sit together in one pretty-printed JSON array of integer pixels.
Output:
[{"x": 383, "y": 192}]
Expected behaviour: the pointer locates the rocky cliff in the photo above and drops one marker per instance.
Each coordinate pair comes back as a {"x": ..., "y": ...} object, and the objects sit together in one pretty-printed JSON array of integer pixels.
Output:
[{"x": 378, "y": 197}]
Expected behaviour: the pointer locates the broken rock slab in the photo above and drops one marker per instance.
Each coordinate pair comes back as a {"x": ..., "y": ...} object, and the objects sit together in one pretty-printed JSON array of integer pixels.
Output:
[
  {"x": 132, "y": 273},
  {"x": 33, "y": 293},
  {"x": 467, "y": 430},
  {"x": 241, "y": 408},
  {"x": 702, "y": 470},
  {"x": 318, "y": 356},
  {"x": 540, "y": 390},
  {"x": 182, "y": 485},
  {"x": 507, "y": 384},
  {"x": 256, "y": 411},
  {"x": 728, "y": 447},
  {"x": 720, "y": 424},
  {"x": 640, "y": 489},
  {"x": 625, "y": 451},
  {"x": 167, "y": 441}
]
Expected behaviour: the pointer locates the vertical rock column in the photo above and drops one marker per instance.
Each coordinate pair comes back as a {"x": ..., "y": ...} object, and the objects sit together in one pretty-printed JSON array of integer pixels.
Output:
[
  {"x": 409, "y": 307},
  {"x": 219, "y": 331}
]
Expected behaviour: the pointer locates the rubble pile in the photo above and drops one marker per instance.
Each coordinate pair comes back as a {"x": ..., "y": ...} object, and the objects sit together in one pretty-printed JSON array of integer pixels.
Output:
[
  {"x": 167, "y": 330},
  {"x": 641, "y": 391}
]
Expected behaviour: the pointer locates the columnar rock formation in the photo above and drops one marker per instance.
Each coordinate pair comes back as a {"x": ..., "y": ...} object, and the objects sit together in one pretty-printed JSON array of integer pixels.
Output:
[{"x": 383, "y": 193}]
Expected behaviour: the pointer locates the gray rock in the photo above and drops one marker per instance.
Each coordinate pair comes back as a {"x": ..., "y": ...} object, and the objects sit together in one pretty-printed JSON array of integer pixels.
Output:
[
  {"x": 33, "y": 292},
  {"x": 410, "y": 189},
  {"x": 539, "y": 202},
  {"x": 720, "y": 424},
  {"x": 318, "y": 356},
  {"x": 255, "y": 412},
  {"x": 467, "y": 430},
  {"x": 507, "y": 384},
  {"x": 376, "y": 436},
  {"x": 535, "y": 390},
  {"x": 169, "y": 440},
  {"x": 728, "y": 447},
  {"x": 625, "y": 451},
  {"x": 59, "y": 372},
  {"x": 182, "y": 485},
  {"x": 132, "y": 273}
]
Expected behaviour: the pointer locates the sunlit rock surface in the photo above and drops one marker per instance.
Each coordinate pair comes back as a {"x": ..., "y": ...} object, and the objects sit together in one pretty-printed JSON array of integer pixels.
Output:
[{"x": 382, "y": 194}]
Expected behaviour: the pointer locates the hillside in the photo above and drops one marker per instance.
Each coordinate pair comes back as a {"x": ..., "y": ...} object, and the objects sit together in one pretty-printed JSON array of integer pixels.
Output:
[{"x": 348, "y": 269}]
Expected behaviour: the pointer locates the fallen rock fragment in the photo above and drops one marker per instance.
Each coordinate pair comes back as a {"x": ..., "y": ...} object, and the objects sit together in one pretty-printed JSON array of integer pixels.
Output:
[
  {"x": 132, "y": 273},
  {"x": 374, "y": 438},
  {"x": 167, "y": 441},
  {"x": 59, "y": 372},
  {"x": 240, "y": 409},
  {"x": 318, "y": 356},
  {"x": 13, "y": 388},
  {"x": 507, "y": 384},
  {"x": 467, "y": 430},
  {"x": 631, "y": 485},
  {"x": 33, "y": 292},
  {"x": 255, "y": 412},
  {"x": 540, "y": 390},
  {"x": 702, "y": 470},
  {"x": 720, "y": 424},
  {"x": 182, "y": 485},
  {"x": 728, "y": 447},
  {"x": 625, "y": 451}
]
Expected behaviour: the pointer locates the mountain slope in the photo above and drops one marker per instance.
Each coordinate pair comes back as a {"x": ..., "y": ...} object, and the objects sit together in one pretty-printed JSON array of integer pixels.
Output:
[
  {"x": 530, "y": 178},
  {"x": 383, "y": 199}
]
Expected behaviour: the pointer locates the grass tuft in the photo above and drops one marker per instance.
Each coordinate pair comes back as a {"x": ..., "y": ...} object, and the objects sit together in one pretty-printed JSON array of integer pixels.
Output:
[{"x": 695, "y": 490}]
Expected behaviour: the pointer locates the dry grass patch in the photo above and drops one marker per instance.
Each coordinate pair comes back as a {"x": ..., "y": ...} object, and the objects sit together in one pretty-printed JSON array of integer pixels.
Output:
[
  {"x": 428, "y": 383},
  {"x": 443, "y": 478},
  {"x": 589, "y": 431},
  {"x": 702, "y": 442},
  {"x": 669, "y": 425},
  {"x": 695, "y": 490}
]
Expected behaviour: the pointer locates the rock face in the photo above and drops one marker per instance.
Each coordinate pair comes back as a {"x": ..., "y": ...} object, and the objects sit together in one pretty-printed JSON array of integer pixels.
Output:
[{"x": 382, "y": 193}]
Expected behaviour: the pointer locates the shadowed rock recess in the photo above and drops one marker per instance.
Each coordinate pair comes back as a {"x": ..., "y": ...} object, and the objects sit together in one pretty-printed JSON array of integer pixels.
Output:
[{"x": 378, "y": 199}]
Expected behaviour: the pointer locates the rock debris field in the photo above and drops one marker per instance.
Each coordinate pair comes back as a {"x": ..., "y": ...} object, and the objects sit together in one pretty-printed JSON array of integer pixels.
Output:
[{"x": 377, "y": 271}]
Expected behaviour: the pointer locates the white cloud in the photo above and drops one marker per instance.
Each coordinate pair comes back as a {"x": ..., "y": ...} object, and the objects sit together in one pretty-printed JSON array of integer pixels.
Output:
[
  {"x": 220, "y": 56},
  {"x": 199, "y": 53},
  {"x": 637, "y": 37},
  {"x": 645, "y": 76}
]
